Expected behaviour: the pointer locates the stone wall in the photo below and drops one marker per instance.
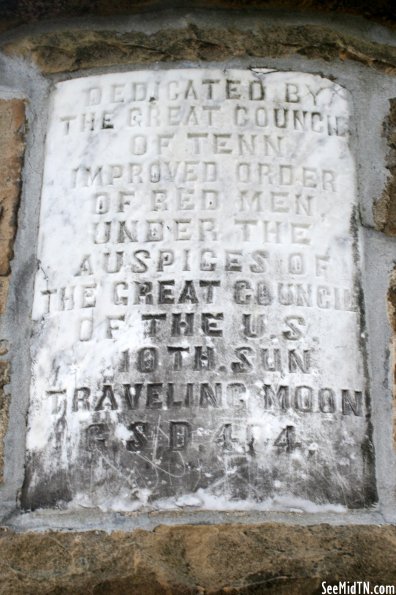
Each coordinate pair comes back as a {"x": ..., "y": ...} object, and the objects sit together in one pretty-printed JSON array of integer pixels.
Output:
[
  {"x": 293, "y": 551},
  {"x": 237, "y": 559}
]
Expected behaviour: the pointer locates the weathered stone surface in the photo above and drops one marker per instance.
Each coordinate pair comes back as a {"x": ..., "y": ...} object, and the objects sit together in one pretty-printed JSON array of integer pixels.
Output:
[
  {"x": 239, "y": 559},
  {"x": 385, "y": 206},
  {"x": 68, "y": 50},
  {"x": 4, "y": 284},
  {"x": 12, "y": 120},
  {"x": 149, "y": 193},
  {"x": 4, "y": 406}
]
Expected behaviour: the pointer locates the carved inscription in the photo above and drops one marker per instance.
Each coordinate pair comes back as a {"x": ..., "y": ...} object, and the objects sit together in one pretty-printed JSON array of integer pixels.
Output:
[{"x": 196, "y": 312}]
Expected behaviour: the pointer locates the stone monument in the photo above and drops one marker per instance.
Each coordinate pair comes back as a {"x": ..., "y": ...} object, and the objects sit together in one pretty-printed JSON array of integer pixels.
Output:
[{"x": 197, "y": 315}]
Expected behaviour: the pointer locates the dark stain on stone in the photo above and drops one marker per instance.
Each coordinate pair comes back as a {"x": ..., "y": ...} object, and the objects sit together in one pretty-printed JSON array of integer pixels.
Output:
[{"x": 22, "y": 11}]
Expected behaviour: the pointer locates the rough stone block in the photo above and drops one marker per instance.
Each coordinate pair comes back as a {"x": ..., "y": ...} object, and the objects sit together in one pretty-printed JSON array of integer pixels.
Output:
[
  {"x": 12, "y": 119},
  {"x": 4, "y": 283},
  {"x": 12, "y": 123},
  {"x": 385, "y": 207},
  {"x": 71, "y": 50},
  {"x": 268, "y": 558}
]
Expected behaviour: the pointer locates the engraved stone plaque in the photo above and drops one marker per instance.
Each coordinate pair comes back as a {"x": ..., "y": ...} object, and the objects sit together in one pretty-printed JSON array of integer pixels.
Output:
[{"x": 197, "y": 333}]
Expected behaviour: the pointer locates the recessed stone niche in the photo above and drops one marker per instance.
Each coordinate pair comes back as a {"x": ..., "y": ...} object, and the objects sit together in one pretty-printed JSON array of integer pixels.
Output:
[{"x": 197, "y": 335}]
